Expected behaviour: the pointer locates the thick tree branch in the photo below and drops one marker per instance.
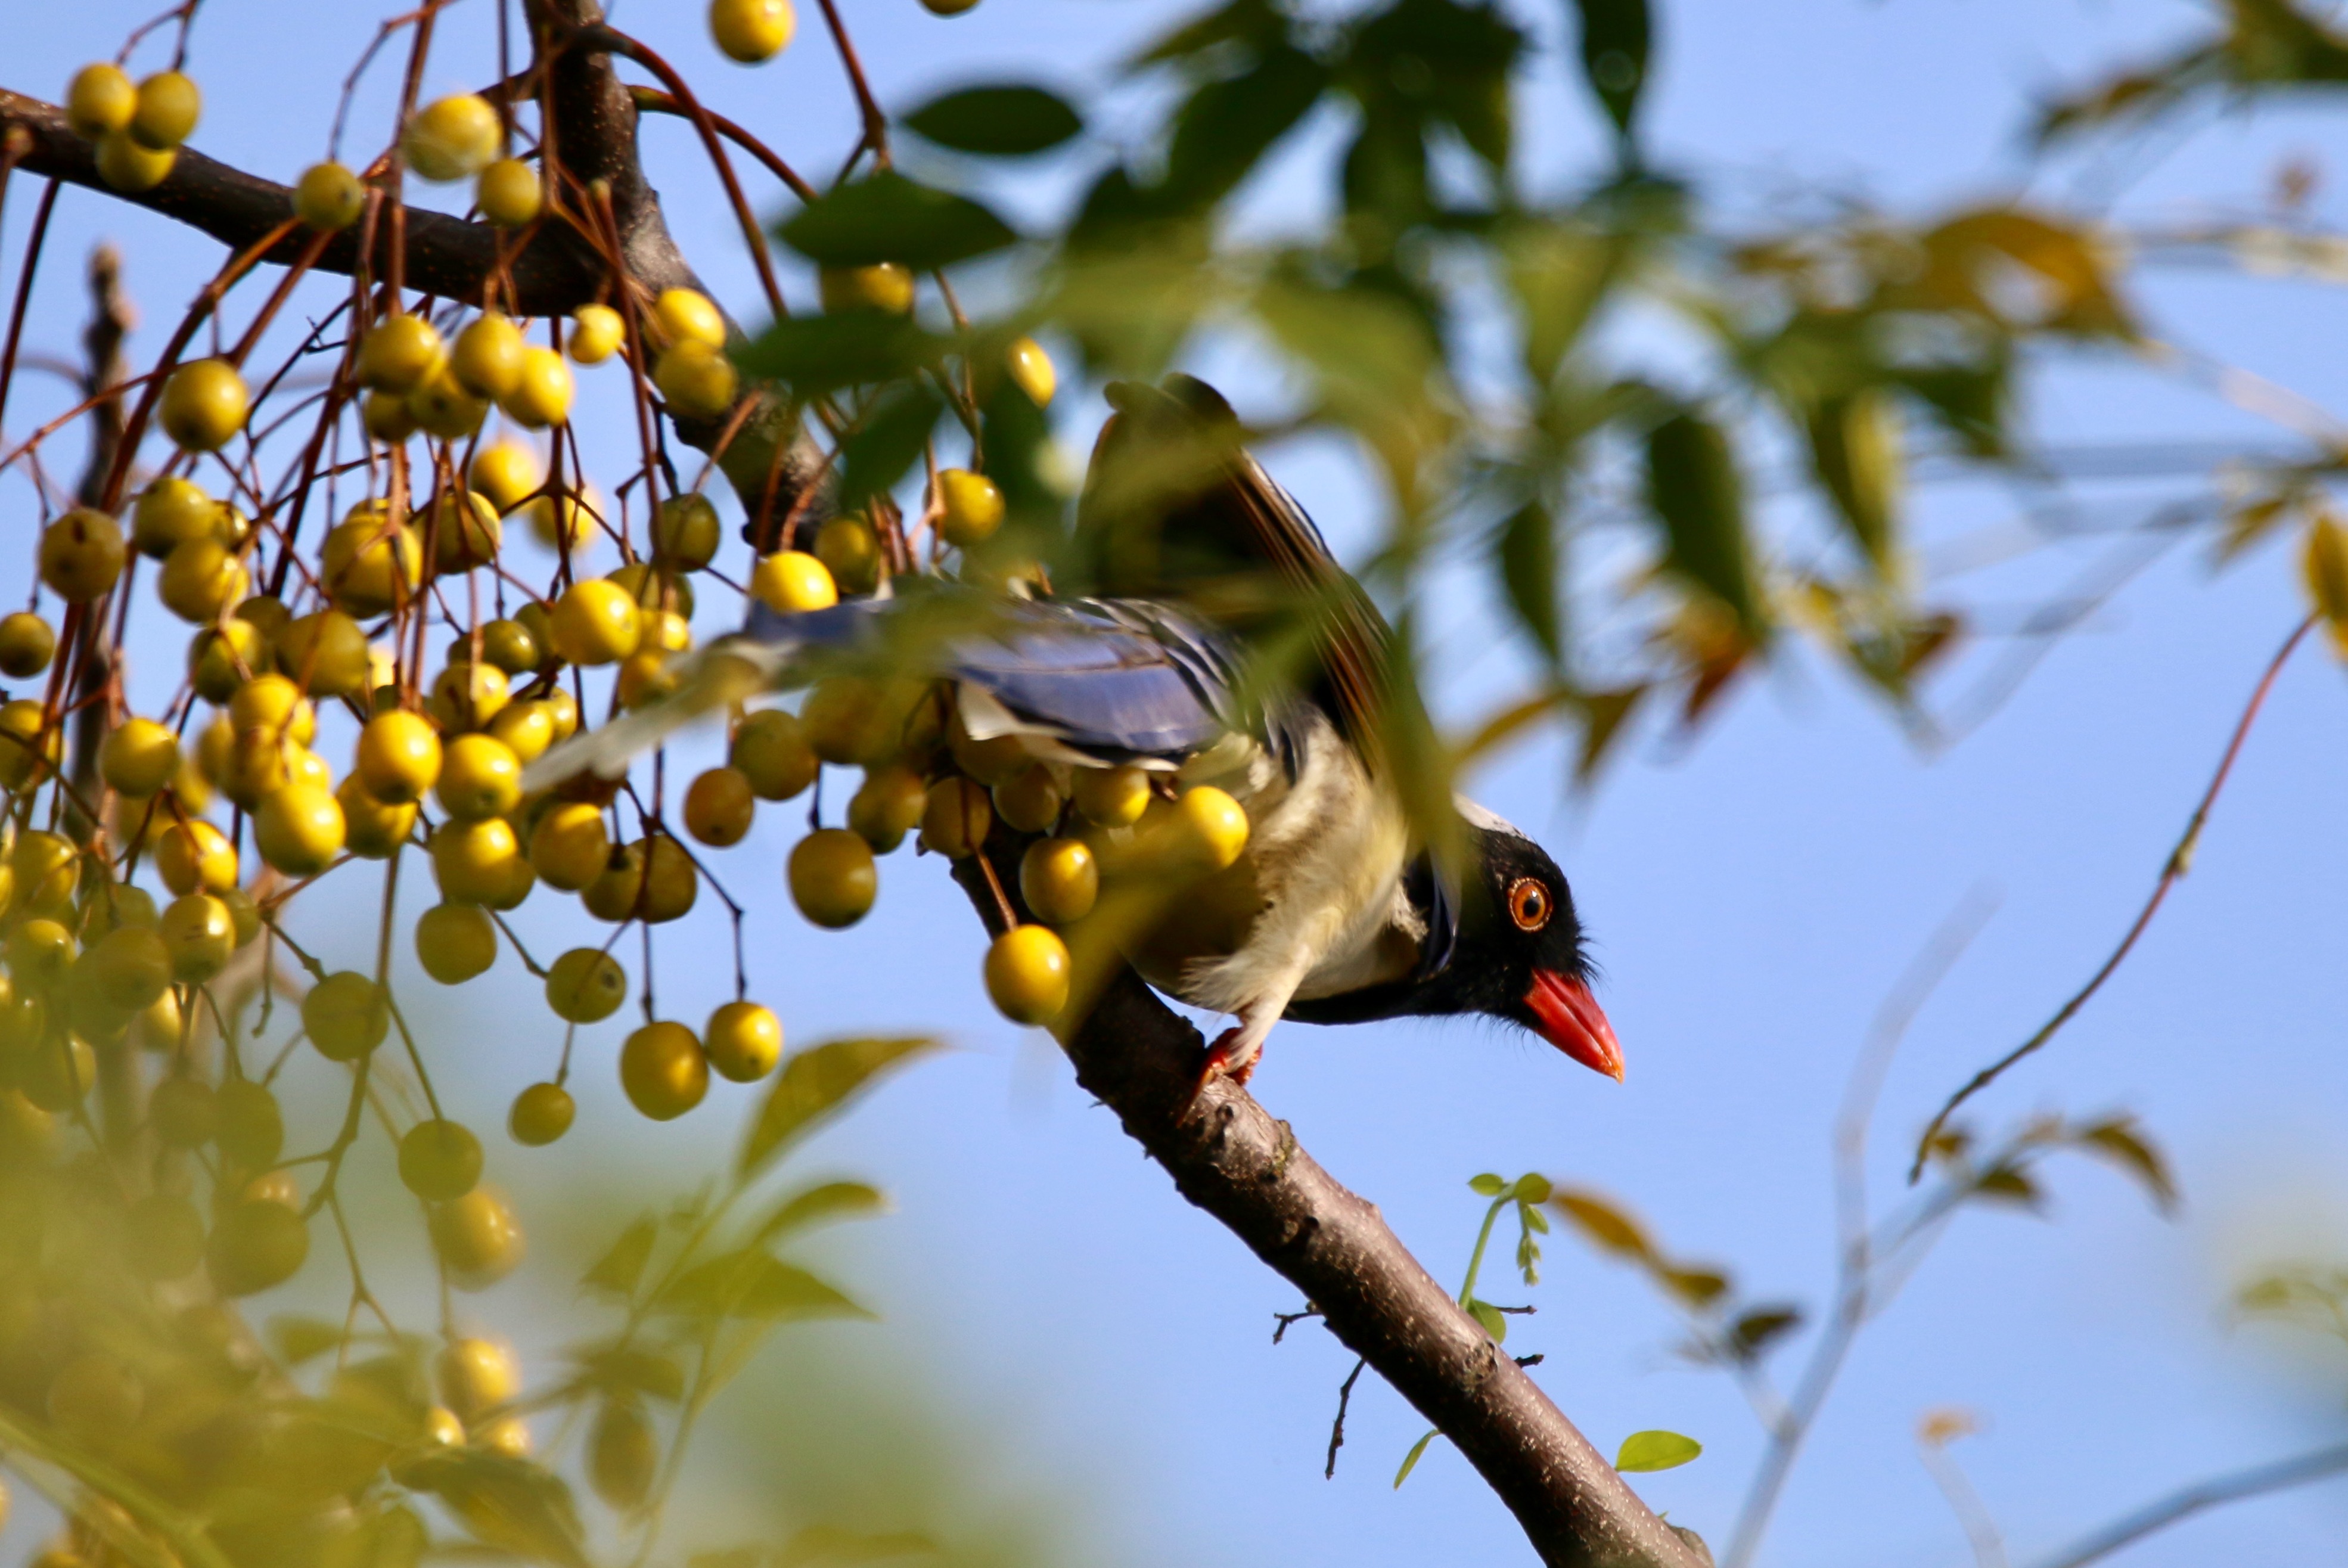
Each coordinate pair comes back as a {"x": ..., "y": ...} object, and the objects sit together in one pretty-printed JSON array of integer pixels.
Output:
[{"x": 1232, "y": 1158}]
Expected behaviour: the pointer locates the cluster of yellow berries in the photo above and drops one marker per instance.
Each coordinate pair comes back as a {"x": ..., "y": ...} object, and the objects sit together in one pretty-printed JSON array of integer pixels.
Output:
[{"x": 137, "y": 128}]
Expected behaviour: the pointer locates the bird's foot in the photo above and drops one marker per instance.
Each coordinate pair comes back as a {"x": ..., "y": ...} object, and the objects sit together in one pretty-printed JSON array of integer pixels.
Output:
[{"x": 1232, "y": 1055}]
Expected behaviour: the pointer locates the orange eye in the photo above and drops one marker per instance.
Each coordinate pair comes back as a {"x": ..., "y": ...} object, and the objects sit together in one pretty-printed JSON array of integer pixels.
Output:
[{"x": 1528, "y": 904}]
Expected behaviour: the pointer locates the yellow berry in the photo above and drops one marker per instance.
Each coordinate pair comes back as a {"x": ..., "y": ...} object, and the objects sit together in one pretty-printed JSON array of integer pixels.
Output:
[
  {"x": 479, "y": 777},
  {"x": 791, "y": 581},
  {"x": 30, "y": 746},
  {"x": 170, "y": 512},
  {"x": 326, "y": 654},
  {"x": 169, "y": 107},
  {"x": 623, "y": 1450},
  {"x": 851, "y": 551},
  {"x": 887, "y": 806},
  {"x": 192, "y": 857},
  {"x": 771, "y": 752},
  {"x": 617, "y": 890},
  {"x": 441, "y": 406},
  {"x": 138, "y": 758},
  {"x": 456, "y": 942},
  {"x": 956, "y": 817},
  {"x": 129, "y": 167},
  {"x": 440, "y": 1160},
  {"x": 466, "y": 695},
  {"x": 368, "y": 563},
  {"x": 372, "y": 830},
  {"x": 1059, "y": 879},
  {"x": 255, "y": 1244},
  {"x": 199, "y": 579},
  {"x": 1111, "y": 797},
  {"x": 199, "y": 935},
  {"x": 1206, "y": 830},
  {"x": 664, "y": 1070},
  {"x": 570, "y": 847},
  {"x": 275, "y": 702},
  {"x": 595, "y": 622},
  {"x": 884, "y": 287},
  {"x": 252, "y": 1129},
  {"x": 542, "y": 393},
  {"x": 328, "y": 197},
  {"x": 585, "y": 986},
  {"x": 100, "y": 100},
  {"x": 970, "y": 508},
  {"x": 299, "y": 830},
  {"x": 184, "y": 1111},
  {"x": 487, "y": 359},
  {"x": 40, "y": 950},
  {"x": 204, "y": 403},
  {"x": 82, "y": 554},
  {"x": 644, "y": 678},
  {"x": 947, "y": 7},
  {"x": 596, "y": 334},
  {"x": 453, "y": 139},
  {"x": 561, "y": 707},
  {"x": 541, "y": 1113},
  {"x": 719, "y": 806},
  {"x": 164, "y": 1235},
  {"x": 345, "y": 1015},
  {"x": 388, "y": 418},
  {"x": 398, "y": 757},
  {"x": 697, "y": 380},
  {"x": 1027, "y": 974},
  {"x": 743, "y": 1041},
  {"x": 27, "y": 643},
  {"x": 750, "y": 31},
  {"x": 476, "y": 1376},
  {"x": 833, "y": 879},
  {"x": 129, "y": 967},
  {"x": 508, "y": 194},
  {"x": 671, "y": 883},
  {"x": 507, "y": 472},
  {"x": 481, "y": 1242},
  {"x": 688, "y": 316},
  {"x": 685, "y": 532},
  {"x": 399, "y": 354},
  {"x": 1031, "y": 370},
  {"x": 526, "y": 727},
  {"x": 1030, "y": 799},
  {"x": 476, "y": 863}
]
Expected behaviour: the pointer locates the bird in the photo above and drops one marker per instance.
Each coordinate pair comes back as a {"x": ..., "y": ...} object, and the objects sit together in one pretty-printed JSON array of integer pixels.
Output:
[{"x": 1222, "y": 646}]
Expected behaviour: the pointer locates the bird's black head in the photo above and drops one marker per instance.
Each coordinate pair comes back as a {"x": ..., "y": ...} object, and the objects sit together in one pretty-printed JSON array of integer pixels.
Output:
[{"x": 1519, "y": 953}]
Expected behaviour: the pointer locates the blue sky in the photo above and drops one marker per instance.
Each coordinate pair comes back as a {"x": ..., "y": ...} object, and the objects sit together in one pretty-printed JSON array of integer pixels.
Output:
[{"x": 1752, "y": 894}]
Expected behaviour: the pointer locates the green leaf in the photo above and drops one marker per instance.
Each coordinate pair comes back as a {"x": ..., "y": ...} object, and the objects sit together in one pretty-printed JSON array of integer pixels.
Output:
[
  {"x": 2007, "y": 1184},
  {"x": 1226, "y": 127},
  {"x": 1532, "y": 1187},
  {"x": 876, "y": 455},
  {"x": 1754, "y": 1332},
  {"x": 622, "y": 1369},
  {"x": 1694, "y": 488},
  {"x": 1604, "y": 1224},
  {"x": 2119, "y": 1140},
  {"x": 1005, "y": 121},
  {"x": 1559, "y": 273},
  {"x": 889, "y": 218},
  {"x": 819, "y": 353},
  {"x": 1487, "y": 1185},
  {"x": 1257, "y": 23},
  {"x": 509, "y": 1503},
  {"x": 751, "y": 1283},
  {"x": 1410, "y": 1460},
  {"x": 618, "y": 1270},
  {"x": 1614, "y": 43},
  {"x": 1527, "y": 556},
  {"x": 815, "y": 1083},
  {"x": 1495, "y": 1322},
  {"x": 819, "y": 1205},
  {"x": 1698, "y": 1287},
  {"x": 1655, "y": 1451},
  {"x": 830, "y": 1544},
  {"x": 299, "y": 1339},
  {"x": 1855, "y": 449}
]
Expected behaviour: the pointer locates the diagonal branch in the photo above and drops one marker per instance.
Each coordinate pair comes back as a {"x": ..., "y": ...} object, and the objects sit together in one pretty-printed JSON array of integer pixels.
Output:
[
  {"x": 2192, "y": 1499},
  {"x": 1230, "y": 1158}
]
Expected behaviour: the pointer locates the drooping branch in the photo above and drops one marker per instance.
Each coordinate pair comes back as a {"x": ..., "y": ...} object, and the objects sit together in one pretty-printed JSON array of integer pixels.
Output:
[{"x": 1231, "y": 1158}]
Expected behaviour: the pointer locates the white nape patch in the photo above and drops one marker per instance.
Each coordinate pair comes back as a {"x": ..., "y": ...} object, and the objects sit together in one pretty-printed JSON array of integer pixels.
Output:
[{"x": 1489, "y": 820}]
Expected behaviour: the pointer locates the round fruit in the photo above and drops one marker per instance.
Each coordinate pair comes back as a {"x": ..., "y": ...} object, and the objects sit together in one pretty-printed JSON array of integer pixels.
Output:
[
  {"x": 368, "y": 563},
  {"x": 58, "y": 1075},
  {"x": 192, "y": 856},
  {"x": 184, "y": 1112},
  {"x": 585, "y": 986},
  {"x": 851, "y": 551},
  {"x": 328, "y": 197},
  {"x": 947, "y": 7},
  {"x": 542, "y": 393},
  {"x": 887, "y": 806},
  {"x": 398, "y": 757},
  {"x": 252, "y": 1129},
  {"x": 325, "y": 653},
  {"x": 664, "y": 1070},
  {"x": 1059, "y": 879},
  {"x": 27, "y": 643},
  {"x": 596, "y": 334},
  {"x": 510, "y": 645},
  {"x": 204, "y": 404},
  {"x": 199, "y": 579},
  {"x": 671, "y": 883},
  {"x": 299, "y": 830},
  {"x": 372, "y": 830},
  {"x": 697, "y": 381},
  {"x": 846, "y": 721},
  {"x": 749, "y": 31},
  {"x": 688, "y": 316},
  {"x": 164, "y": 1235},
  {"x": 1030, "y": 799},
  {"x": 685, "y": 532},
  {"x": 623, "y": 1455},
  {"x": 1206, "y": 830},
  {"x": 128, "y": 167},
  {"x": 526, "y": 727},
  {"x": 476, "y": 1376},
  {"x": 466, "y": 695},
  {"x": 441, "y": 406},
  {"x": 138, "y": 758},
  {"x": 274, "y": 703},
  {"x": 452, "y": 139},
  {"x": 199, "y": 935},
  {"x": 1111, "y": 797},
  {"x": 456, "y": 942},
  {"x": 885, "y": 287},
  {"x": 541, "y": 1113},
  {"x": 743, "y": 1041},
  {"x": 596, "y": 623},
  {"x": 969, "y": 507},
  {"x": 566, "y": 522},
  {"x": 439, "y": 1161},
  {"x": 399, "y": 354},
  {"x": 956, "y": 817},
  {"x": 386, "y": 418},
  {"x": 719, "y": 806},
  {"x": 508, "y": 194},
  {"x": 1027, "y": 974},
  {"x": 654, "y": 587},
  {"x": 256, "y": 1243},
  {"x": 39, "y": 953},
  {"x": 507, "y": 472},
  {"x": 170, "y": 512},
  {"x": 771, "y": 752},
  {"x": 570, "y": 847},
  {"x": 221, "y": 657},
  {"x": 128, "y": 969},
  {"x": 480, "y": 777},
  {"x": 791, "y": 581},
  {"x": 29, "y": 745},
  {"x": 476, "y": 863},
  {"x": 169, "y": 107},
  {"x": 1031, "y": 370},
  {"x": 833, "y": 879},
  {"x": 346, "y": 1015},
  {"x": 101, "y": 101},
  {"x": 487, "y": 360},
  {"x": 478, "y": 1238},
  {"x": 644, "y": 677},
  {"x": 81, "y": 555},
  {"x": 95, "y": 1396}
]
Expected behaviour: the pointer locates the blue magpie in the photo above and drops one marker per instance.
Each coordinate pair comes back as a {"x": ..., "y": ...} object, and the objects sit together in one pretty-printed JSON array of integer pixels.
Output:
[{"x": 1224, "y": 647}]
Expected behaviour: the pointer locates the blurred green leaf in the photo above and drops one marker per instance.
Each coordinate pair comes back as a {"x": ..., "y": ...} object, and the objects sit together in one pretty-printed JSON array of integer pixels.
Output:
[
  {"x": 1855, "y": 450},
  {"x": 1487, "y": 1185},
  {"x": 509, "y": 1503},
  {"x": 815, "y": 1083},
  {"x": 1226, "y": 127},
  {"x": 819, "y": 1205},
  {"x": 1495, "y": 1323},
  {"x": 1527, "y": 557},
  {"x": 624, "y": 1368},
  {"x": 1655, "y": 1451},
  {"x": 1009, "y": 120},
  {"x": 1694, "y": 487},
  {"x": 1754, "y": 1332},
  {"x": 1615, "y": 44},
  {"x": 299, "y": 1339},
  {"x": 820, "y": 1544},
  {"x": 1558, "y": 273},
  {"x": 1410, "y": 1460},
  {"x": 618, "y": 1270},
  {"x": 1532, "y": 1187},
  {"x": 1258, "y": 23},
  {"x": 1604, "y": 1224},
  {"x": 2007, "y": 1184},
  {"x": 2120, "y": 1141},
  {"x": 1697, "y": 1287},
  {"x": 819, "y": 354},
  {"x": 751, "y": 1284},
  {"x": 886, "y": 217},
  {"x": 1603, "y": 714},
  {"x": 887, "y": 442}
]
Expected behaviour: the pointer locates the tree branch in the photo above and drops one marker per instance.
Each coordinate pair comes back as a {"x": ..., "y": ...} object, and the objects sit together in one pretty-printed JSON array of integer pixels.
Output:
[
  {"x": 1230, "y": 1158},
  {"x": 2192, "y": 1499}
]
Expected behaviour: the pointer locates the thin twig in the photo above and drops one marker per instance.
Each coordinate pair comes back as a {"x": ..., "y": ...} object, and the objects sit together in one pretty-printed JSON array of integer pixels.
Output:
[{"x": 2188, "y": 1500}]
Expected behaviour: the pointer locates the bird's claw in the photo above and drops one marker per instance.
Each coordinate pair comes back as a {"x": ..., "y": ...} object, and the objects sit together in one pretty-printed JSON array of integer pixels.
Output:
[{"x": 1227, "y": 1056}]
